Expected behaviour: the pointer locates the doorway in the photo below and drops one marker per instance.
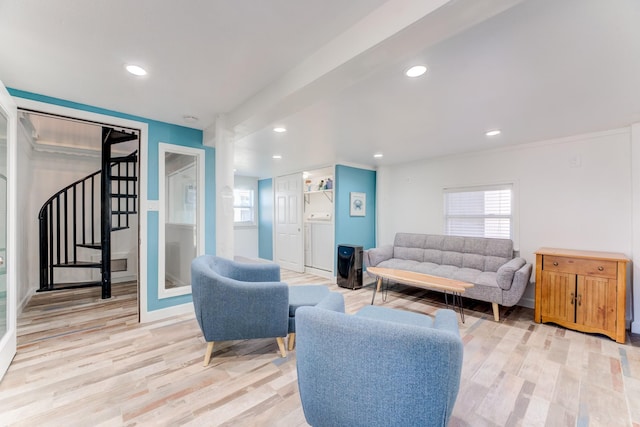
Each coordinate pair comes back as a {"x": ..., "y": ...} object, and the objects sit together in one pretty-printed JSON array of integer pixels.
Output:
[{"x": 61, "y": 149}]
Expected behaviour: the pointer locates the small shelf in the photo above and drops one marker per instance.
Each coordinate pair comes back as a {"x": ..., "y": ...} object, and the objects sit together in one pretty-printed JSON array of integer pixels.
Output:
[
  {"x": 328, "y": 194},
  {"x": 329, "y": 190}
]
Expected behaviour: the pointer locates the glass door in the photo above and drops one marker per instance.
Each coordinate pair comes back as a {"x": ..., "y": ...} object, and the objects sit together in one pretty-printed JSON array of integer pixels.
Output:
[{"x": 8, "y": 123}]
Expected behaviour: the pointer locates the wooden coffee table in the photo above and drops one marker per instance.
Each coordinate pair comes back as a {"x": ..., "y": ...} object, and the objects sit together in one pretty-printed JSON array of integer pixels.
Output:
[{"x": 424, "y": 281}]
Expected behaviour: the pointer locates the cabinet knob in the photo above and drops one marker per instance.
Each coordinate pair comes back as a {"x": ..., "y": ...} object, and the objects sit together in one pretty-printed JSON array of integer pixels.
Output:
[
  {"x": 600, "y": 268},
  {"x": 555, "y": 263}
]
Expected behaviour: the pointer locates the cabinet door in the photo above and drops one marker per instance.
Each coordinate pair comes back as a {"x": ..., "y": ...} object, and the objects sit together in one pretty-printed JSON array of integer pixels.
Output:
[
  {"x": 558, "y": 295},
  {"x": 596, "y": 304}
]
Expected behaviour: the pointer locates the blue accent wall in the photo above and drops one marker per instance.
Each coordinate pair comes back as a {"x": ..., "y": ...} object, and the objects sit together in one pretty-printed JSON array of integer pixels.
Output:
[
  {"x": 265, "y": 218},
  {"x": 355, "y": 230},
  {"x": 170, "y": 134}
]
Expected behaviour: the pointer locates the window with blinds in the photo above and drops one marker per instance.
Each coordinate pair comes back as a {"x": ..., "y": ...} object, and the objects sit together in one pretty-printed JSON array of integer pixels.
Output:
[{"x": 479, "y": 211}]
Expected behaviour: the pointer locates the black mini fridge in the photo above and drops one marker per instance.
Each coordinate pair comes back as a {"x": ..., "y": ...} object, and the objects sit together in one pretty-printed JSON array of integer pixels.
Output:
[{"x": 350, "y": 266}]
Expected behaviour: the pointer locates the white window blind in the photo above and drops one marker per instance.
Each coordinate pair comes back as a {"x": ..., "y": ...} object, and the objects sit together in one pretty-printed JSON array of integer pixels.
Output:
[
  {"x": 479, "y": 211},
  {"x": 243, "y": 207}
]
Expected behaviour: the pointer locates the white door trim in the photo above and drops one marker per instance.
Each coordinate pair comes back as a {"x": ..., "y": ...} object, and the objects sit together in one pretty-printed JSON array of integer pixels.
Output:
[
  {"x": 142, "y": 178},
  {"x": 8, "y": 341}
]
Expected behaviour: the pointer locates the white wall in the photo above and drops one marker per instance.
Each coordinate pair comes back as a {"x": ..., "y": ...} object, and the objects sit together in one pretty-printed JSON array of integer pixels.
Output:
[
  {"x": 246, "y": 237},
  {"x": 25, "y": 263},
  {"x": 569, "y": 193}
]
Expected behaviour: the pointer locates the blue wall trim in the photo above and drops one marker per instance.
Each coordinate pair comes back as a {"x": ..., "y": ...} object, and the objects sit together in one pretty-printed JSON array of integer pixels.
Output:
[
  {"x": 265, "y": 218},
  {"x": 355, "y": 230},
  {"x": 170, "y": 134}
]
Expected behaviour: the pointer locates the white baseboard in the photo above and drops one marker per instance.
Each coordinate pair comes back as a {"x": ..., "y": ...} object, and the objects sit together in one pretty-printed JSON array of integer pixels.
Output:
[
  {"x": 318, "y": 272},
  {"x": 22, "y": 304}
]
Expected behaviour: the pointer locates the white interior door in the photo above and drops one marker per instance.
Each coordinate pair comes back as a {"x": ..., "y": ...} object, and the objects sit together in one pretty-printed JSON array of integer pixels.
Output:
[
  {"x": 8, "y": 123},
  {"x": 288, "y": 222}
]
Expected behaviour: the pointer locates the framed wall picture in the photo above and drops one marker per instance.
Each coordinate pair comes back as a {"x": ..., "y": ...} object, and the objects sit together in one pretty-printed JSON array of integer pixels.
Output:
[{"x": 358, "y": 204}]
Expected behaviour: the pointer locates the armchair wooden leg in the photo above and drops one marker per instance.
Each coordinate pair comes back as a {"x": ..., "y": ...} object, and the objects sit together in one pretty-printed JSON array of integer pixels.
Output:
[
  {"x": 496, "y": 311},
  {"x": 291, "y": 340},
  {"x": 280, "y": 341},
  {"x": 207, "y": 354}
]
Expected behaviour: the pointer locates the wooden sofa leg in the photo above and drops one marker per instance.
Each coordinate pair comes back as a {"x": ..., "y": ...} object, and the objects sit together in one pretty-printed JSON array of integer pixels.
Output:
[
  {"x": 291, "y": 341},
  {"x": 207, "y": 354},
  {"x": 280, "y": 341},
  {"x": 496, "y": 311}
]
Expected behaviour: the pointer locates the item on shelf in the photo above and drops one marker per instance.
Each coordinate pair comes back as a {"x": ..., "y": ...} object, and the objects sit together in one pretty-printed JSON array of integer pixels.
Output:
[
  {"x": 329, "y": 184},
  {"x": 321, "y": 185}
]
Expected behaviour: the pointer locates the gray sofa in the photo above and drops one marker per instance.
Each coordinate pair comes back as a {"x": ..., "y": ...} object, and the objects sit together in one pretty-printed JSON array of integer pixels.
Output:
[{"x": 497, "y": 276}]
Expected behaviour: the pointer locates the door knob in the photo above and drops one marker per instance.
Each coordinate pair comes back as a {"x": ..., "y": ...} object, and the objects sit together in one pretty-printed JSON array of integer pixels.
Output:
[{"x": 1, "y": 260}]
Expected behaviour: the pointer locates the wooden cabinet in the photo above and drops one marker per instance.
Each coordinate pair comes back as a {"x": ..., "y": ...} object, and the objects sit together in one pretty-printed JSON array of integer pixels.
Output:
[{"x": 582, "y": 290}]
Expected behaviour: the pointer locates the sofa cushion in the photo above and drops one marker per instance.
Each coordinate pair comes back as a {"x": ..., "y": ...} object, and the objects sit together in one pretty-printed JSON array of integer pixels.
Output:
[
  {"x": 493, "y": 263},
  {"x": 427, "y": 268},
  {"x": 453, "y": 244},
  {"x": 452, "y": 258},
  {"x": 445, "y": 271},
  {"x": 415, "y": 254},
  {"x": 500, "y": 248},
  {"x": 433, "y": 255},
  {"x": 469, "y": 275},
  {"x": 410, "y": 240},
  {"x": 400, "y": 264},
  {"x": 434, "y": 241},
  {"x": 474, "y": 261}
]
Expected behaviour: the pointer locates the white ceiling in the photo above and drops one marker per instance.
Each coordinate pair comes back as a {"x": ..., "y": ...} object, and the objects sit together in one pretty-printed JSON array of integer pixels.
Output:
[{"x": 331, "y": 71}]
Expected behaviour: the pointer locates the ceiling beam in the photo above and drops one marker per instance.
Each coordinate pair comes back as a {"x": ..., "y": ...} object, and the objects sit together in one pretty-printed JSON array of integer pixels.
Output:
[{"x": 390, "y": 34}]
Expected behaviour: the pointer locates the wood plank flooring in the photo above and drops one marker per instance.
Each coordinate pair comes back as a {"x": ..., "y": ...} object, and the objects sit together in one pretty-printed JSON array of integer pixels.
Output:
[{"x": 83, "y": 361}]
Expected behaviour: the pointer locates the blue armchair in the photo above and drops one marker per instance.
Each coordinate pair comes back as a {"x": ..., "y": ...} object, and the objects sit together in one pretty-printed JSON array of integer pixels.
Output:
[
  {"x": 234, "y": 301},
  {"x": 380, "y": 367}
]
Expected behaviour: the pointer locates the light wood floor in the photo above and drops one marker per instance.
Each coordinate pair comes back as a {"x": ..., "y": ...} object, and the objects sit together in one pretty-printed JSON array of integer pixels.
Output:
[{"x": 83, "y": 361}]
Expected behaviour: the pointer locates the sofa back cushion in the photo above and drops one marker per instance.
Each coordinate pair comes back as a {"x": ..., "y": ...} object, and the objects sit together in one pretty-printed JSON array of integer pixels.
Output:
[{"x": 479, "y": 253}]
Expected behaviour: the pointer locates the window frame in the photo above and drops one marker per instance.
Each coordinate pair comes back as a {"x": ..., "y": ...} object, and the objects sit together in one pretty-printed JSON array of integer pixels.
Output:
[{"x": 252, "y": 207}]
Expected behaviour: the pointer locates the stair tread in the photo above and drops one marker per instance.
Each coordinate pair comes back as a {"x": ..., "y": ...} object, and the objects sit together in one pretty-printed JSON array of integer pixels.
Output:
[
  {"x": 119, "y": 228},
  {"x": 71, "y": 285},
  {"x": 124, "y": 159},
  {"x": 124, "y": 178},
  {"x": 123, "y": 212},
  {"x": 118, "y": 136},
  {"x": 78, "y": 264},
  {"x": 124, "y": 196},
  {"x": 89, "y": 245}
]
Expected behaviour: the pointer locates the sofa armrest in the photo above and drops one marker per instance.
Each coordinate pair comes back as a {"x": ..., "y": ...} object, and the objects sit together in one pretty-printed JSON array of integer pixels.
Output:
[
  {"x": 506, "y": 273},
  {"x": 519, "y": 285},
  {"x": 375, "y": 256}
]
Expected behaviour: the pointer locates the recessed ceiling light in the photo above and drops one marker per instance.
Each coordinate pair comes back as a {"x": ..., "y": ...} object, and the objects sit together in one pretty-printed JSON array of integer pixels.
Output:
[
  {"x": 136, "y": 70},
  {"x": 378, "y": 155},
  {"x": 279, "y": 129},
  {"x": 277, "y": 156},
  {"x": 493, "y": 132},
  {"x": 416, "y": 71}
]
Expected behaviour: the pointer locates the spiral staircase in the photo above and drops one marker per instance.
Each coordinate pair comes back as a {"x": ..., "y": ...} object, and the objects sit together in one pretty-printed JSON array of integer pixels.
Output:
[{"x": 80, "y": 219}]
